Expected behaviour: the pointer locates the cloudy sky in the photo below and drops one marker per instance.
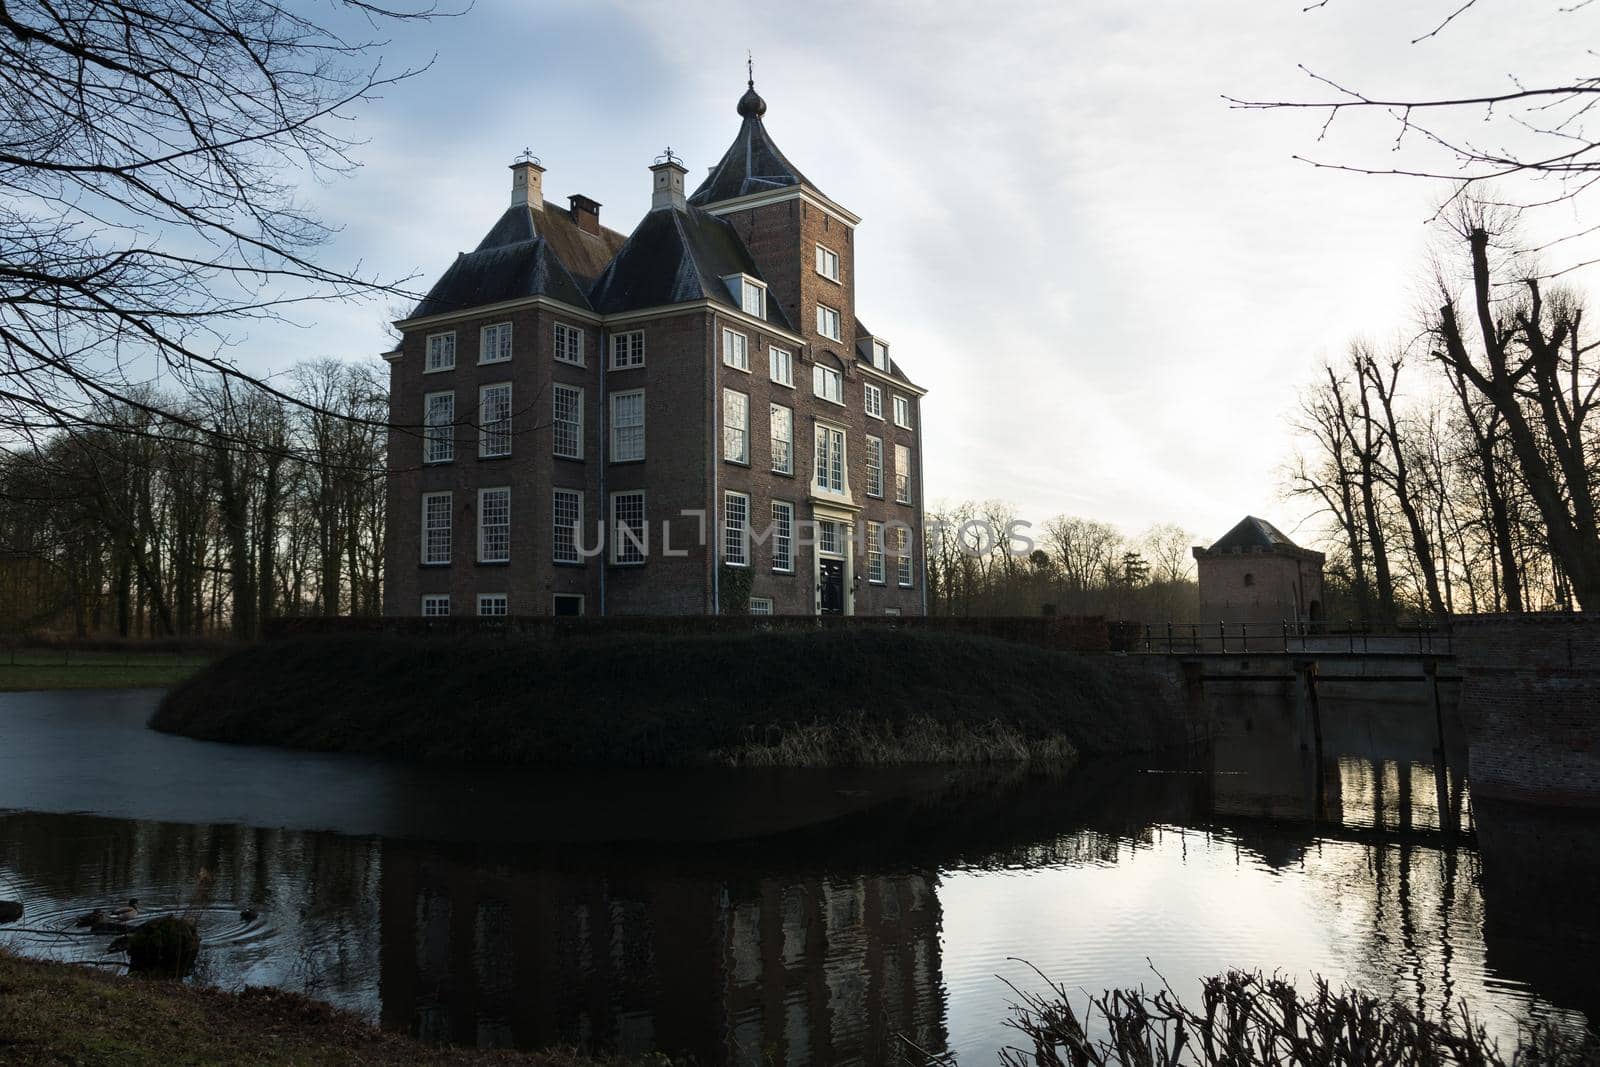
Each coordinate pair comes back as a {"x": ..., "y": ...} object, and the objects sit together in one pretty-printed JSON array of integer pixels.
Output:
[{"x": 1111, "y": 283}]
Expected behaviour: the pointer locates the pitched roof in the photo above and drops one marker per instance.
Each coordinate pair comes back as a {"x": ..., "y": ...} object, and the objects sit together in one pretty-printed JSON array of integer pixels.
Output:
[
  {"x": 525, "y": 253},
  {"x": 1251, "y": 532},
  {"x": 674, "y": 256},
  {"x": 752, "y": 164},
  {"x": 864, "y": 339}
]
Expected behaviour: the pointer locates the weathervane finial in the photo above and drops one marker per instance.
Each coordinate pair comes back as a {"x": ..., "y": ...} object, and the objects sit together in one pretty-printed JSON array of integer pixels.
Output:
[{"x": 749, "y": 69}]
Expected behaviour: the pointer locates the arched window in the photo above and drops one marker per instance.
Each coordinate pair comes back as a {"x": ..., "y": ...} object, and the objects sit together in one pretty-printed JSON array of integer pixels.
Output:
[{"x": 1249, "y": 579}]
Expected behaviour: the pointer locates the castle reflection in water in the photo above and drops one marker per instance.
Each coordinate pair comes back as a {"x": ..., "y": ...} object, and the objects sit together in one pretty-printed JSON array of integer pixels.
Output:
[
  {"x": 831, "y": 945},
  {"x": 801, "y": 969}
]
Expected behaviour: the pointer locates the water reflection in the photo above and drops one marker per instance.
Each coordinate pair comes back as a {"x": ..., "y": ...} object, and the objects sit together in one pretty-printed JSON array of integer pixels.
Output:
[{"x": 838, "y": 941}]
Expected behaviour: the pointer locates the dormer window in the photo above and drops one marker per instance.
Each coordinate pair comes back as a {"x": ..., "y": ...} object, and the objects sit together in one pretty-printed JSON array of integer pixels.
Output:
[
  {"x": 751, "y": 294},
  {"x": 880, "y": 354}
]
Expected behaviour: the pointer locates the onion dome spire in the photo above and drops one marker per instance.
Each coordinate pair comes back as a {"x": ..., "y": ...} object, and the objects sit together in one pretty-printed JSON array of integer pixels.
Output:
[{"x": 751, "y": 106}]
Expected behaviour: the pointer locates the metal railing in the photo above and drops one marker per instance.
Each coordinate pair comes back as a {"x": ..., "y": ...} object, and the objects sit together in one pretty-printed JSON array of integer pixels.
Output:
[{"x": 1354, "y": 637}]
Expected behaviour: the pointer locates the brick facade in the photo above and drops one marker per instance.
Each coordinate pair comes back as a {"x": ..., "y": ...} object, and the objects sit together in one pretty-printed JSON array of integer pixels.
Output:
[
  {"x": 1531, "y": 700},
  {"x": 540, "y": 266},
  {"x": 1255, "y": 575}
]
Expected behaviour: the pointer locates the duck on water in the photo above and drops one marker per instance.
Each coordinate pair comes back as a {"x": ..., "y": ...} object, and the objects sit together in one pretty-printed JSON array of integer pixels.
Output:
[{"x": 115, "y": 920}]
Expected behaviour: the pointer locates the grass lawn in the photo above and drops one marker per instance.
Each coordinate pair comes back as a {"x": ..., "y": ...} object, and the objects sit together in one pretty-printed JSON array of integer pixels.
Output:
[
  {"x": 41, "y": 669},
  {"x": 55, "y": 1013}
]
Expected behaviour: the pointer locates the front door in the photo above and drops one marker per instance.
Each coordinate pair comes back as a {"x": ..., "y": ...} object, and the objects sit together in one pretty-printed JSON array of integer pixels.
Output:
[{"x": 832, "y": 576}]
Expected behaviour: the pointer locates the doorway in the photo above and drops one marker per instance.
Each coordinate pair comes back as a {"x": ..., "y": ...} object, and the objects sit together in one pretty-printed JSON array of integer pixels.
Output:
[{"x": 830, "y": 574}]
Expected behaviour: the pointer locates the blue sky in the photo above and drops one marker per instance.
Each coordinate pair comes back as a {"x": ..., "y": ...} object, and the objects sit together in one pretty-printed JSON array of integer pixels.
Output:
[{"x": 1111, "y": 283}]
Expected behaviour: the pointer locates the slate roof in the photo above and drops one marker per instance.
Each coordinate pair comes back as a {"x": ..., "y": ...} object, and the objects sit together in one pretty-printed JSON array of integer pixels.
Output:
[
  {"x": 1258, "y": 535},
  {"x": 864, "y": 338},
  {"x": 525, "y": 253},
  {"x": 674, "y": 256},
  {"x": 752, "y": 164}
]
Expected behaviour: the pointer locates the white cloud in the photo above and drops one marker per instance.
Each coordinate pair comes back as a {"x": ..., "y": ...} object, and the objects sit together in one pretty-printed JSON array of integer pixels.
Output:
[{"x": 1111, "y": 282}]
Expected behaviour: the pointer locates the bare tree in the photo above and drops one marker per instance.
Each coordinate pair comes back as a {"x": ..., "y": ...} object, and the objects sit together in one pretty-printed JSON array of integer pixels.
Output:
[
  {"x": 148, "y": 160},
  {"x": 1508, "y": 130},
  {"x": 1528, "y": 357}
]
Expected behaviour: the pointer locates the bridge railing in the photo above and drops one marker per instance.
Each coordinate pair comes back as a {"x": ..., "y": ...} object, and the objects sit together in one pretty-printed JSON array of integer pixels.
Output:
[{"x": 1353, "y": 637}]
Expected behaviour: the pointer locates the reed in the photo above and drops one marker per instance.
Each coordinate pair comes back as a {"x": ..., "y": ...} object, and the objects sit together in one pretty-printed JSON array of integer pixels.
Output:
[{"x": 1245, "y": 1019}]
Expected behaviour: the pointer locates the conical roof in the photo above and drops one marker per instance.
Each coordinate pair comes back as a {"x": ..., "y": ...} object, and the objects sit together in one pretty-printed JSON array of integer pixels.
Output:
[{"x": 752, "y": 164}]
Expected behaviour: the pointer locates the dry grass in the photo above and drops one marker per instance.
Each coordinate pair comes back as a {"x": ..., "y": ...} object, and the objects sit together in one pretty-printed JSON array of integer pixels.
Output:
[
  {"x": 57, "y": 1013},
  {"x": 861, "y": 741}
]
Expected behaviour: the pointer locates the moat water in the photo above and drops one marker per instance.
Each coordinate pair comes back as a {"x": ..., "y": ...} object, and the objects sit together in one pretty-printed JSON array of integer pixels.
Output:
[{"x": 809, "y": 918}]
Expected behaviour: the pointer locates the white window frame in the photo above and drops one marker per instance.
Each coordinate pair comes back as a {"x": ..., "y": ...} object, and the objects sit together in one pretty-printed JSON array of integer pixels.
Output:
[
  {"x": 822, "y": 376},
  {"x": 735, "y": 431},
  {"x": 761, "y": 605},
  {"x": 488, "y": 599},
  {"x": 483, "y": 526},
  {"x": 627, "y": 350},
  {"x": 825, "y": 316},
  {"x": 735, "y": 355},
  {"x": 782, "y": 447},
  {"x": 880, "y": 354},
  {"x": 830, "y": 538},
  {"x": 433, "y": 600},
  {"x": 438, "y": 431},
  {"x": 902, "y": 474},
  {"x": 494, "y": 343},
  {"x": 441, "y": 352},
  {"x": 872, "y": 399},
  {"x": 748, "y": 288},
  {"x": 568, "y": 344},
  {"x": 825, "y": 258},
  {"x": 582, "y": 600},
  {"x": 490, "y": 431},
  {"x": 783, "y": 537},
  {"x": 736, "y": 531},
  {"x": 902, "y": 411},
  {"x": 626, "y": 551},
  {"x": 876, "y": 572},
  {"x": 429, "y": 557},
  {"x": 832, "y": 465},
  {"x": 557, "y": 390},
  {"x": 903, "y": 568},
  {"x": 875, "y": 466},
  {"x": 618, "y": 453},
  {"x": 564, "y": 543},
  {"x": 780, "y": 366}
]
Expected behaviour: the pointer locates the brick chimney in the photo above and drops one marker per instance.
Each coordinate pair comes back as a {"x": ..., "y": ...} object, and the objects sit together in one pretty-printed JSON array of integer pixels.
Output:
[
  {"x": 666, "y": 182},
  {"x": 585, "y": 212},
  {"x": 527, "y": 182}
]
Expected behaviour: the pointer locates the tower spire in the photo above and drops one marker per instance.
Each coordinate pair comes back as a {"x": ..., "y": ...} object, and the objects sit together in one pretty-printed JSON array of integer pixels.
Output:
[{"x": 751, "y": 106}]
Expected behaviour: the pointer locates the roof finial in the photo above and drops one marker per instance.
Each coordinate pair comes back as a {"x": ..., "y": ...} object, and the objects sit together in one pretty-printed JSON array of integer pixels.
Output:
[{"x": 751, "y": 106}]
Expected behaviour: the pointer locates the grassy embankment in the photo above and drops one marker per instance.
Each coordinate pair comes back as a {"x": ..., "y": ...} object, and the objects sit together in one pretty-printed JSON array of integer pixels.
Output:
[
  {"x": 54, "y": 1013},
  {"x": 824, "y": 698},
  {"x": 44, "y": 668}
]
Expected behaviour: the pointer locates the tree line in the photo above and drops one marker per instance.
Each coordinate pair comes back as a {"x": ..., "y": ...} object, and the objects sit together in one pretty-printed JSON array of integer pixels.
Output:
[
  {"x": 1457, "y": 468},
  {"x": 981, "y": 561},
  {"x": 201, "y": 514}
]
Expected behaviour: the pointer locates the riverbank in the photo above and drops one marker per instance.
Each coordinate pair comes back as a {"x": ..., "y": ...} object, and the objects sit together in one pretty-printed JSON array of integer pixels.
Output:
[
  {"x": 821, "y": 698},
  {"x": 53, "y": 1013},
  {"x": 35, "y": 669}
]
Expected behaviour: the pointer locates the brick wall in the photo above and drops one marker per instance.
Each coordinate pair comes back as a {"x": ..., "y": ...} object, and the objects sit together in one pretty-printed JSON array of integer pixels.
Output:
[{"x": 1531, "y": 700}]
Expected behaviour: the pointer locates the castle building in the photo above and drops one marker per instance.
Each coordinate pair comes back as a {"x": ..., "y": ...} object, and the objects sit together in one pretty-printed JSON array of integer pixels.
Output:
[
  {"x": 1255, "y": 574},
  {"x": 689, "y": 419}
]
